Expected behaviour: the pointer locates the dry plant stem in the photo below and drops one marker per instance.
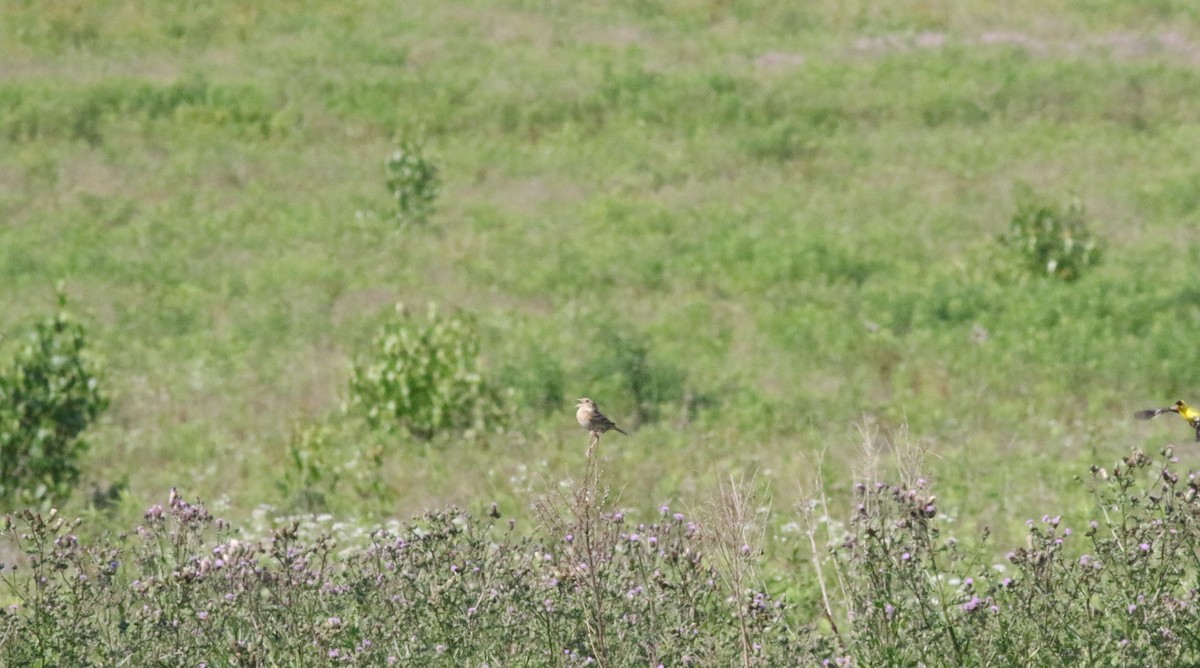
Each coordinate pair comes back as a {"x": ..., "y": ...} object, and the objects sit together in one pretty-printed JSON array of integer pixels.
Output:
[
  {"x": 587, "y": 513},
  {"x": 579, "y": 515},
  {"x": 731, "y": 520},
  {"x": 806, "y": 512}
]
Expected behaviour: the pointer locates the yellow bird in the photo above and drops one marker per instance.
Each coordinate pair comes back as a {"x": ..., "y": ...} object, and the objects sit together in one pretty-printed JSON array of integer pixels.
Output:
[{"x": 1185, "y": 411}]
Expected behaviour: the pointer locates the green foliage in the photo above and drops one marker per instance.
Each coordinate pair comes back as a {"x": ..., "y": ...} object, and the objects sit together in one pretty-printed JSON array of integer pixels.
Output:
[
  {"x": 624, "y": 363},
  {"x": 413, "y": 181},
  {"x": 326, "y": 462},
  {"x": 536, "y": 379},
  {"x": 49, "y": 395},
  {"x": 1052, "y": 240},
  {"x": 425, "y": 378},
  {"x": 793, "y": 219}
]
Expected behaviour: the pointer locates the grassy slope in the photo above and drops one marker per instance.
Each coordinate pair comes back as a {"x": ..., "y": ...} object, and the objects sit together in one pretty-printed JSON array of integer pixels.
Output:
[{"x": 742, "y": 184}]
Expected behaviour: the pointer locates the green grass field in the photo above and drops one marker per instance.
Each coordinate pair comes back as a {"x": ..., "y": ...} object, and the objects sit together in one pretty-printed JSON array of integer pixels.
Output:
[{"x": 782, "y": 217}]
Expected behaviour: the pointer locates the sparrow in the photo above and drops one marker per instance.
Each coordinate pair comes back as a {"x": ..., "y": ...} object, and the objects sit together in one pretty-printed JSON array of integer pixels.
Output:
[{"x": 590, "y": 418}]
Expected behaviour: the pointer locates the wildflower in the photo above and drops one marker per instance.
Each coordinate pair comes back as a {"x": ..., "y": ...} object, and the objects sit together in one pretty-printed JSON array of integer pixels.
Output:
[
  {"x": 678, "y": 517},
  {"x": 1144, "y": 547},
  {"x": 972, "y": 604},
  {"x": 889, "y": 610},
  {"x": 905, "y": 557}
]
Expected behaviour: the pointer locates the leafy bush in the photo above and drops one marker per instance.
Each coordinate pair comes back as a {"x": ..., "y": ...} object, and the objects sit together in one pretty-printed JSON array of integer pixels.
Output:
[
  {"x": 48, "y": 396},
  {"x": 413, "y": 181},
  {"x": 626, "y": 363},
  {"x": 1052, "y": 240},
  {"x": 326, "y": 457},
  {"x": 425, "y": 378}
]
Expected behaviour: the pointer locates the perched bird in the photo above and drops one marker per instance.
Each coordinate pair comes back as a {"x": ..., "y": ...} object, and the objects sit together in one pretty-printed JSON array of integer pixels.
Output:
[
  {"x": 1185, "y": 411},
  {"x": 591, "y": 419}
]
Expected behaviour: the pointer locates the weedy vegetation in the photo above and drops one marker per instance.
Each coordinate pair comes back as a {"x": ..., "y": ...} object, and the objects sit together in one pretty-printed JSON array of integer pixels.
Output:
[{"x": 747, "y": 229}]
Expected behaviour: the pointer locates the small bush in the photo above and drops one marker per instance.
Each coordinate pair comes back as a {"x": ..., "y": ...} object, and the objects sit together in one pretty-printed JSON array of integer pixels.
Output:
[
  {"x": 625, "y": 362},
  {"x": 323, "y": 460},
  {"x": 425, "y": 378},
  {"x": 1051, "y": 240},
  {"x": 413, "y": 181},
  {"x": 49, "y": 395}
]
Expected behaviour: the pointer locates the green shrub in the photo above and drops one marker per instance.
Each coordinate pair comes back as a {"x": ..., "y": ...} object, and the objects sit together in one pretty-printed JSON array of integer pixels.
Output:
[
  {"x": 625, "y": 364},
  {"x": 48, "y": 396},
  {"x": 413, "y": 181},
  {"x": 425, "y": 378},
  {"x": 1052, "y": 240},
  {"x": 325, "y": 458}
]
